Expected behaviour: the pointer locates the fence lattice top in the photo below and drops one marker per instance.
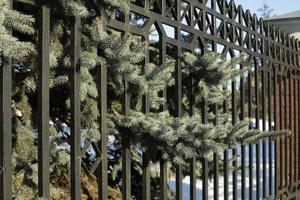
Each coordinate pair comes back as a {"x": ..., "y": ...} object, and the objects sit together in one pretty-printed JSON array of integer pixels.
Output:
[{"x": 216, "y": 25}]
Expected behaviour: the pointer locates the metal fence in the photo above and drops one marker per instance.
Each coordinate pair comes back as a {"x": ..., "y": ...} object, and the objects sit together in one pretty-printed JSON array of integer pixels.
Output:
[{"x": 269, "y": 93}]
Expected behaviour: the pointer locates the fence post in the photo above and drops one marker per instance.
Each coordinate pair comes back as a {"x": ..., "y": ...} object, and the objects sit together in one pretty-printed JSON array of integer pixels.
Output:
[
  {"x": 204, "y": 160},
  {"x": 275, "y": 129},
  {"x": 271, "y": 143},
  {"x": 75, "y": 110},
  {"x": 146, "y": 159},
  {"x": 178, "y": 95},
  {"x": 102, "y": 175},
  {"x": 5, "y": 129},
  {"x": 126, "y": 152},
  {"x": 43, "y": 101}
]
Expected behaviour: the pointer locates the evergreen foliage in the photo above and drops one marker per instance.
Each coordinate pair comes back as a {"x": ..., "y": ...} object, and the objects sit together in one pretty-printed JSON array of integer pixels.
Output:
[{"x": 11, "y": 19}]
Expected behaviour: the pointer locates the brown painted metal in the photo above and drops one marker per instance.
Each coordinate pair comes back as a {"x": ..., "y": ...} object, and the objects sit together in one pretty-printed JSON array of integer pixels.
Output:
[
  {"x": 43, "y": 101},
  {"x": 5, "y": 127},
  {"x": 75, "y": 110}
]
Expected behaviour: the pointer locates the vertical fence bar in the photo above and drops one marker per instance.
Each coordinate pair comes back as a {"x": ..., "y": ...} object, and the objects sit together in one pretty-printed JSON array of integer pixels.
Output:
[
  {"x": 294, "y": 184},
  {"x": 298, "y": 127},
  {"x": 234, "y": 151},
  {"x": 281, "y": 139},
  {"x": 285, "y": 138},
  {"x": 223, "y": 9},
  {"x": 126, "y": 142},
  {"x": 285, "y": 150},
  {"x": 178, "y": 86},
  {"x": 204, "y": 161},
  {"x": 295, "y": 129},
  {"x": 102, "y": 145},
  {"x": 296, "y": 100},
  {"x": 75, "y": 110},
  {"x": 250, "y": 145},
  {"x": 163, "y": 163},
  {"x": 43, "y": 101},
  {"x": 102, "y": 173},
  {"x": 216, "y": 161},
  {"x": 270, "y": 129},
  {"x": 193, "y": 160},
  {"x": 163, "y": 179},
  {"x": 204, "y": 118},
  {"x": 146, "y": 176},
  {"x": 146, "y": 160},
  {"x": 126, "y": 154},
  {"x": 298, "y": 123},
  {"x": 226, "y": 170},
  {"x": 264, "y": 140},
  {"x": 258, "y": 186},
  {"x": 295, "y": 78},
  {"x": 243, "y": 158},
  {"x": 192, "y": 172},
  {"x": 178, "y": 92},
  {"x": 216, "y": 157},
  {"x": 5, "y": 128},
  {"x": 275, "y": 129},
  {"x": 226, "y": 176},
  {"x": 234, "y": 117},
  {"x": 193, "y": 179},
  {"x": 282, "y": 121},
  {"x": 288, "y": 124},
  {"x": 291, "y": 128}
]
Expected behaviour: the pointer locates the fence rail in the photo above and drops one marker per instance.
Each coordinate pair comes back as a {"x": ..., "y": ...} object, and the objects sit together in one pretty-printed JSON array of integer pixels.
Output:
[{"x": 189, "y": 25}]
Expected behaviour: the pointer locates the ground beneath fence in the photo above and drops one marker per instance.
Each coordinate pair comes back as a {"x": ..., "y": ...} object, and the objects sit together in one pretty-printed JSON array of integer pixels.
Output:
[{"x": 186, "y": 180}]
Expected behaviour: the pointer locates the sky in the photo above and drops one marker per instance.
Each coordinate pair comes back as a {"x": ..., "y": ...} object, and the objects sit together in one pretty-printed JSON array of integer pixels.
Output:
[{"x": 280, "y": 6}]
